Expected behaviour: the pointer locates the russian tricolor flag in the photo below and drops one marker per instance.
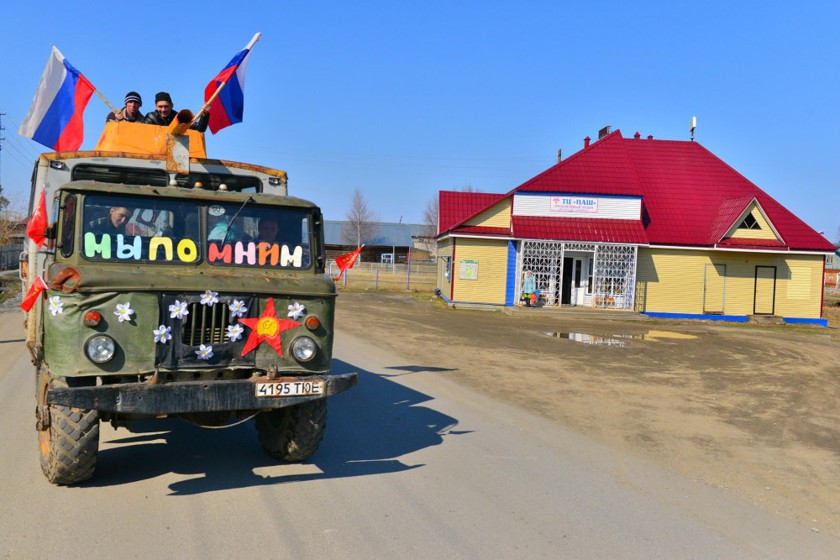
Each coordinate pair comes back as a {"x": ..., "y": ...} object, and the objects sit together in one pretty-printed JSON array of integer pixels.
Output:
[
  {"x": 227, "y": 107},
  {"x": 55, "y": 117}
]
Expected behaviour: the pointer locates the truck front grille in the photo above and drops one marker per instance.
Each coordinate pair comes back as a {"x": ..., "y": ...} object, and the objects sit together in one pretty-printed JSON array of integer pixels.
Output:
[{"x": 205, "y": 324}]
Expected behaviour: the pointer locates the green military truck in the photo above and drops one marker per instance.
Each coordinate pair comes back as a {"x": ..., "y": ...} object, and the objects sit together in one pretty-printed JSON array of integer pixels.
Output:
[{"x": 197, "y": 293}]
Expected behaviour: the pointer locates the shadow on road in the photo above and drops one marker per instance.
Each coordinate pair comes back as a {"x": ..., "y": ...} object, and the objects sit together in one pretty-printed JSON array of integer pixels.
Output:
[
  {"x": 369, "y": 429},
  {"x": 409, "y": 369}
]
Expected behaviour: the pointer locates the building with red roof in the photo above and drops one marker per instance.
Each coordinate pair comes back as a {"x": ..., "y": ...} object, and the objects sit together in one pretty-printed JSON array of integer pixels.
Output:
[{"x": 662, "y": 227}]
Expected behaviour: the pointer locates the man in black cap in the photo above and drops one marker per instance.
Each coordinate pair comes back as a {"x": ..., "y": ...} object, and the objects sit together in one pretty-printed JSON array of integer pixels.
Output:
[
  {"x": 130, "y": 112},
  {"x": 164, "y": 113}
]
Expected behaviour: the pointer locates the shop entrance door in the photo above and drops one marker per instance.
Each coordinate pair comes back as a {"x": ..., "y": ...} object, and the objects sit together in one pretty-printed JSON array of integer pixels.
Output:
[{"x": 572, "y": 292}]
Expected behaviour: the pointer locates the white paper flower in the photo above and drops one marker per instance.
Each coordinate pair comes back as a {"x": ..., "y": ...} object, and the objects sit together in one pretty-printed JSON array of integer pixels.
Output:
[
  {"x": 163, "y": 334},
  {"x": 237, "y": 309},
  {"x": 204, "y": 352},
  {"x": 124, "y": 312},
  {"x": 56, "y": 305},
  {"x": 296, "y": 310},
  {"x": 209, "y": 298},
  {"x": 234, "y": 332},
  {"x": 178, "y": 310}
]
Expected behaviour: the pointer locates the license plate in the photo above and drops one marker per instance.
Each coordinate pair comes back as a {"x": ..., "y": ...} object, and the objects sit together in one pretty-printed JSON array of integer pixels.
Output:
[{"x": 290, "y": 388}]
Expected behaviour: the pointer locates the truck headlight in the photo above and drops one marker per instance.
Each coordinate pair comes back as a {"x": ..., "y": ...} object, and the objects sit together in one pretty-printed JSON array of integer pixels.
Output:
[
  {"x": 304, "y": 349},
  {"x": 100, "y": 348}
]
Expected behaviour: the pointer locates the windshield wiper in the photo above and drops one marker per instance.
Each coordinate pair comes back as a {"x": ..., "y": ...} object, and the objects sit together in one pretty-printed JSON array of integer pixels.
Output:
[{"x": 230, "y": 224}]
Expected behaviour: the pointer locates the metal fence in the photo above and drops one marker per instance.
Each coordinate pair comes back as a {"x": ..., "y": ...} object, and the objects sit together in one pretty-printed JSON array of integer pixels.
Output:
[{"x": 420, "y": 276}]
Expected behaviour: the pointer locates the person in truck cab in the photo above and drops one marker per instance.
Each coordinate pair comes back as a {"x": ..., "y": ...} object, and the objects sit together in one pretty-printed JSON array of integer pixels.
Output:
[
  {"x": 130, "y": 111},
  {"x": 164, "y": 113},
  {"x": 113, "y": 223},
  {"x": 267, "y": 230}
]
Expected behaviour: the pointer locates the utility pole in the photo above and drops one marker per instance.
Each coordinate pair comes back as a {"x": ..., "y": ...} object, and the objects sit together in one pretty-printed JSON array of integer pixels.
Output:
[{"x": 2, "y": 139}]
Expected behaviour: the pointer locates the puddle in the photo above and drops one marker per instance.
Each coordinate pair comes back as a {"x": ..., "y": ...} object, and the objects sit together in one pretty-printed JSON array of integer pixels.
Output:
[
  {"x": 592, "y": 339},
  {"x": 619, "y": 340}
]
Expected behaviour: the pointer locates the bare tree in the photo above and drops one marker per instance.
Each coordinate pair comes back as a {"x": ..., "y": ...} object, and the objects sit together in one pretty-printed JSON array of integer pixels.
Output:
[
  {"x": 361, "y": 220},
  {"x": 430, "y": 216},
  {"x": 12, "y": 220}
]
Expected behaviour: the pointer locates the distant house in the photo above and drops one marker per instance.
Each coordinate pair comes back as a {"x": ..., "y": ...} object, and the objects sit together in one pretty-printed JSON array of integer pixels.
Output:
[
  {"x": 832, "y": 271},
  {"x": 385, "y": 242},
  {"x": 658, "y": 226},
  {"x": 12, "y": 235}
]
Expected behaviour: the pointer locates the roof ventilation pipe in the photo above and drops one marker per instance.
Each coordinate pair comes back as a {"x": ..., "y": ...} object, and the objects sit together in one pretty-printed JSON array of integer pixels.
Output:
[
  {"x": 650, "y": 136},
  {"x": 586, "y": 142},
  {"x": 637, "y": 135}
]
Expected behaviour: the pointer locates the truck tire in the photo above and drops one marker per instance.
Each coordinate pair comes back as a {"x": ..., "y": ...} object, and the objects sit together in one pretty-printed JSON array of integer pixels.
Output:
[
  {"x": 293, "y": 433},
  {"x": 70, "y": 444}
]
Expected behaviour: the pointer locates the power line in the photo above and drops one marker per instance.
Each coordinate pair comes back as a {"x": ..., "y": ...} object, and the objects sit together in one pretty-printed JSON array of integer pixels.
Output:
[
  {"x": 33, "y": 154},
  {"x": 22, "y": 159},
  {"x": 26, "y": 157}
]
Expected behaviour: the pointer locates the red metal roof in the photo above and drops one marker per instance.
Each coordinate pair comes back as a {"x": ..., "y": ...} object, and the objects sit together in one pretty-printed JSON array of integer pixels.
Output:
[
  {"x": 580, "y": 229},
  {"x": 728, "y": 211},
  {"x": 483, "y": 230},
  {"x": 752, "y": 243},
  {"x": 685, "y": 192},
  {"x": 689, "y": 196},
  {"x": 457, "y": 207}
]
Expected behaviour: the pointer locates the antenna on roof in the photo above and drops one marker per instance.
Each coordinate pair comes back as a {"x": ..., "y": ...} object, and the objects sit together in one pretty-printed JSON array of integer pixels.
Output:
[{"x": 692, "y": 124}]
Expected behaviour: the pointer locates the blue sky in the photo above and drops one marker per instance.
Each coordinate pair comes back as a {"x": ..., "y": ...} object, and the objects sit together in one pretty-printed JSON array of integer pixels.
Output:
[{"x": 404, "y": 99}]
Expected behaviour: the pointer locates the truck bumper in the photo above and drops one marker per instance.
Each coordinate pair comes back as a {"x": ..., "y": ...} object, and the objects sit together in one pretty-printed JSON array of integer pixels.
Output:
[{"x": 192, "y": 396}]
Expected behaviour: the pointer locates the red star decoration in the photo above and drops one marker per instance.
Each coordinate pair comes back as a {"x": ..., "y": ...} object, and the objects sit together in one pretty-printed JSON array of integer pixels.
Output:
[{"x": 267, "y": 327}]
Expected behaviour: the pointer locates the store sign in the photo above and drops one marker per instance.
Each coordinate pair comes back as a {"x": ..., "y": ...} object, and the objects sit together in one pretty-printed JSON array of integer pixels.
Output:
[
  {"x": 469, "y": 270},
  {"x": 574, "y": 204}
]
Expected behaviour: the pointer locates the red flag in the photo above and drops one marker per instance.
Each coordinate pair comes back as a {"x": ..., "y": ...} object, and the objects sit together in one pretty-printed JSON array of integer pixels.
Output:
[
  {"x": 36, "y": 229},
  {"x": 33, "y": 294},
  {"x": 347, "y": 261}
]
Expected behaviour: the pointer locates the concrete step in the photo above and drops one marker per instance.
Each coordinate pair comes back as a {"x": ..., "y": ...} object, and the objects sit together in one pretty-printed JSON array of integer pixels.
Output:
[{"x": 765, "y": 319}]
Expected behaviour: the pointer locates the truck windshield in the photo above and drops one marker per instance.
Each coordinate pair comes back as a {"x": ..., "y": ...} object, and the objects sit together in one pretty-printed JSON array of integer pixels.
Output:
[
  {"x": 265, "y": 236},
  {"x": 166, "y": 231}
]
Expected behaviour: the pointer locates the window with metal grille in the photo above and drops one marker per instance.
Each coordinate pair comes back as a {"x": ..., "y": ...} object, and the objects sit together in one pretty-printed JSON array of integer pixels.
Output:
[{"x": 205, "y": 324}]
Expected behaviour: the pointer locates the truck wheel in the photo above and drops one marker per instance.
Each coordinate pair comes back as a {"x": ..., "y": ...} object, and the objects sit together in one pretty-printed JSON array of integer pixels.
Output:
[
  {"x": 295, "y": 432},
  {"x": 69, "y": 445}
]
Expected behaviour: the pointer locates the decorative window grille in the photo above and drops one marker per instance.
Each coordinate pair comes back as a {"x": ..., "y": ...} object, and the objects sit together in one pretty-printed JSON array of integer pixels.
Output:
[
  {"x": 615, "y": 276},
  {"x": 614, "y": 270},
  {"x": 545, "y": 260}
]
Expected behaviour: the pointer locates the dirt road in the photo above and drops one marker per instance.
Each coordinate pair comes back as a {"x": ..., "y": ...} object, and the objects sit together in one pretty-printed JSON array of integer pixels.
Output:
[{"x": 750, "y": 410}]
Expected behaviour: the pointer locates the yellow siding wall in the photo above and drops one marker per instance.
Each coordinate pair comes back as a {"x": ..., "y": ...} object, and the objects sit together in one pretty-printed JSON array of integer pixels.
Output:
[
  {"x": 491, "y": 255},
  {"x": 764, "y": 233},
  {"x": 495, "y": 216},
  {"x": 444, "y": 249},
  {"x": 671, "y": 281}
]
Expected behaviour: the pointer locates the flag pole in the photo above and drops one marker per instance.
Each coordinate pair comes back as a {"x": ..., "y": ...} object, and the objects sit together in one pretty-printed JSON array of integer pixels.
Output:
[
  {"x": 206, "y": 107},
  {"x": 102, "y": 97},
  {"x": 207, "y": 103}
]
